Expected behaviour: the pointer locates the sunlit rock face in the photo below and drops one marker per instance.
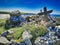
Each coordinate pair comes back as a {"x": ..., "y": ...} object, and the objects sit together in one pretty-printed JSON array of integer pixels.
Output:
[
  {"x": 4, "y": 16},
  {"x": 3, "y": 40},
  {"x": 26, "y": 34}
]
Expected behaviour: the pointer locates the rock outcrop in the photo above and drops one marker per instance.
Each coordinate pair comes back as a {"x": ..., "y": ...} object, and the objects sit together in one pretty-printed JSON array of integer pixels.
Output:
[
  {"x": 3, "y": 40},
  {"x": 26, "y": 36}
]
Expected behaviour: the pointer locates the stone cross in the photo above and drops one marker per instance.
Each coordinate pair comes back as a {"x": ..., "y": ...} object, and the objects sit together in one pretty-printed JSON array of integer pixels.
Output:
[{"x": 46, "y": 14}]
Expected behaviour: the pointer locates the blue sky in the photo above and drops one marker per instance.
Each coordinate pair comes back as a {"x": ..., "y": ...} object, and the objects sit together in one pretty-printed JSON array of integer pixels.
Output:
[{"x": 30, "y": 5}]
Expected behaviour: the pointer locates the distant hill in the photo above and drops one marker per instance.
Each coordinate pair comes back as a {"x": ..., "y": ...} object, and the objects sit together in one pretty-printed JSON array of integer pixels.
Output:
[
  {"x": 4, "y": 16},
  {"x": 55, "y": 15}
]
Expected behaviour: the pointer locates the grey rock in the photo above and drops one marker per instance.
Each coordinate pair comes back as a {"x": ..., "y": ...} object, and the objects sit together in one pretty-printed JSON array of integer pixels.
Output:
[
  {"x": 26, "y": 37},
  {"x": 27, "y": 41},
  {"x": 22, "y": 44},
  {"x": 43, "y": 41},
  {"x": 3, "y": 40},
  {"x": 37, "y": 41},
  {"x": 57, "y": 42},
  {"x": 26, "y": 34},
  {"x": 40, "y": 41},
  {"x": 8, "y": 32}
]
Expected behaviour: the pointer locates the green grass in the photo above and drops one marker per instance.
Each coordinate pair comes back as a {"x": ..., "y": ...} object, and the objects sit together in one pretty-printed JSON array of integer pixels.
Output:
[
  {"x": 17, "y": 32},
  {"x": 2, "y": 20},
  {"x": 36, "y": 30},
  {"x": 2, "y": 30}
]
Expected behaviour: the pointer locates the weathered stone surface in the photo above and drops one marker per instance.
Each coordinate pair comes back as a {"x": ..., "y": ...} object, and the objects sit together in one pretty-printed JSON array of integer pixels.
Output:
[
  {"x": 43, "y": 41},
  {"x": 57, "y": 42},
  {"x": 26, "y": 34},
  {"x": 27, "y": 41},
  {"x": 37, "y": 41},
  {"x": 22, "y": 44},
  {"x": 6, "y": 33},
  {"x": 26, "y": 37},
  {"x": 58, "y": 27},
  {"x": 3, "y": 40}
]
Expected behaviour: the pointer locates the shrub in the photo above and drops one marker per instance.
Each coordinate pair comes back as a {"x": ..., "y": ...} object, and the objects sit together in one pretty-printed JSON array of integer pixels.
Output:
[{"x": 36, "y": 30}]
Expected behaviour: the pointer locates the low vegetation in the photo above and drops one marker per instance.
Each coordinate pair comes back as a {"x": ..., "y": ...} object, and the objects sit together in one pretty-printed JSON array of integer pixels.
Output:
[{"x": 36, "y": 30}]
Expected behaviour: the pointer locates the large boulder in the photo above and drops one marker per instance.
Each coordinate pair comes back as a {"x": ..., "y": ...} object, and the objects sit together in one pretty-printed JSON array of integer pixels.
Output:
[
  {"x": 3, "y": 40},
  {"x": 6, "y": 33},
  {"x": 43, "y": 41}
]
